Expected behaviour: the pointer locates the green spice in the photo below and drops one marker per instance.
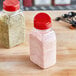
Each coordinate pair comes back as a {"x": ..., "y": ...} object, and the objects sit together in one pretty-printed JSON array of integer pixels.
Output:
[{"x": 12, "y": 29}]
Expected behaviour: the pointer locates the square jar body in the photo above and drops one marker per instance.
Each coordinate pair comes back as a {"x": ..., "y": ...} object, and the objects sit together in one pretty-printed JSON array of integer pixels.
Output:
[
  {"x": 12, "y": 27},
  {"x": 43, "y": 48}
]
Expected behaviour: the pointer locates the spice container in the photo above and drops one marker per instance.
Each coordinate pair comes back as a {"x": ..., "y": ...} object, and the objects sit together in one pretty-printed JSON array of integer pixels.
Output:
[
  {"x": 12, "y": 24},
  {"x": 43, "y": 42}
]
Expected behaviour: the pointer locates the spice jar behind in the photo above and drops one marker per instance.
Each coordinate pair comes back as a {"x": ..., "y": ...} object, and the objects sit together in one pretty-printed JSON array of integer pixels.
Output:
[
  {"x": 43, "y": 42},
  {"x": 12, "y": 24}
]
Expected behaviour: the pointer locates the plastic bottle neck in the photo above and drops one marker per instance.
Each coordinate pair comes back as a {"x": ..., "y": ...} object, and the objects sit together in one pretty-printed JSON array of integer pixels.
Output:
[
  {"x": 44, "y": 31},
  {"x": 12, "y": 13}
]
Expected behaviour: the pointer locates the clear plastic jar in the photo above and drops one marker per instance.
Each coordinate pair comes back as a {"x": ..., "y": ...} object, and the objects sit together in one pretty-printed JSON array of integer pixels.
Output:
[
  {"x": 12, "y": 25},
  {"x": 43, "y": 42}
]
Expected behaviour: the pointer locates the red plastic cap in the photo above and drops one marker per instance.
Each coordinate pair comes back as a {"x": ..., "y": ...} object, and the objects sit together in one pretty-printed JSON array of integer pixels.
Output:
[
  {"x": 42, "y": 21},
  {"x": 11, "y": 5}
]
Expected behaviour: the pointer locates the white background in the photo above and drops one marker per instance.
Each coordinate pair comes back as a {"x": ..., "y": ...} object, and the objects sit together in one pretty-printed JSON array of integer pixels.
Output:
[
  {"x": 42, "y": 2},
  {"x": 62, "y": 1}
]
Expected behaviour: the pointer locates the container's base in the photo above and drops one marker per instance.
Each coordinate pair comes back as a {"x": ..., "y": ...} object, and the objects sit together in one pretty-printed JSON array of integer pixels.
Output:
[{"x": 42, "y": 66}]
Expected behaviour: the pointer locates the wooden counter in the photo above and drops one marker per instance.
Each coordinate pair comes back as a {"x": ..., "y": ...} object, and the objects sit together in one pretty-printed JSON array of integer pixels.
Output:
[{"x": 16, "y": 62}]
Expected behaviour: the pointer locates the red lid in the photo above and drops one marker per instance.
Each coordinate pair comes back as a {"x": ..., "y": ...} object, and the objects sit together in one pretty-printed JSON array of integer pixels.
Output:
[
  {"x": 42, "y": 21},
  {"x": 11, "y": 5}
]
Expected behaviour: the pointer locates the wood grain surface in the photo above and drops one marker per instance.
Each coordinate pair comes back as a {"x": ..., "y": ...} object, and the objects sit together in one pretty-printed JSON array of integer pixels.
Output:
[{"x": 16, "y": 62}]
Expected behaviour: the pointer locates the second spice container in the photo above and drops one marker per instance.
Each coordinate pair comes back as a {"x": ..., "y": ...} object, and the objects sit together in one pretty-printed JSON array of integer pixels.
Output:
[{"x": 12, "y": 24}]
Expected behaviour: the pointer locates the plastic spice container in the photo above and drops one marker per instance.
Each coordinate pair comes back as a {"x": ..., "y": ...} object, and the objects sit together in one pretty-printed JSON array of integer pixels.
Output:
[
  {"x": 12, "y": 24},
  {"x": 43, "y": 42}
]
